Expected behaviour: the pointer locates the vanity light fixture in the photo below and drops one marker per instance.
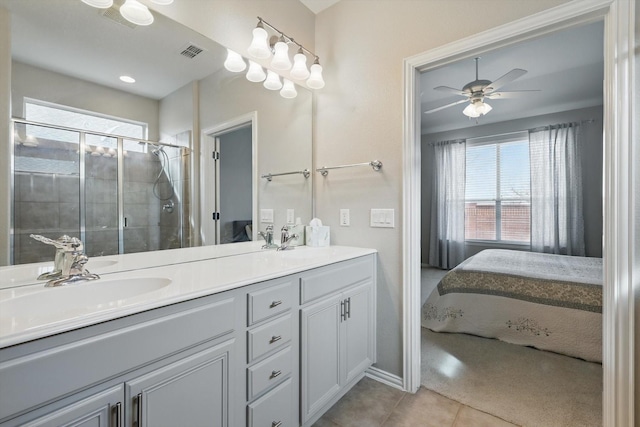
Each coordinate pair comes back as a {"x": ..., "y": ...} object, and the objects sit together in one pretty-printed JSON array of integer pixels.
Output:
[
  {"x": 255, "y": 74},
  {"x": 162, "y": 2},
  {"x": 100, "y": 4},
  {"x": 273, "y": 81},
  {"x": 260, "y": 48},
  {"x": 136, "y": 13},
  {"x": 234, "y": 62},
  {"x": 288, "y": 89}
]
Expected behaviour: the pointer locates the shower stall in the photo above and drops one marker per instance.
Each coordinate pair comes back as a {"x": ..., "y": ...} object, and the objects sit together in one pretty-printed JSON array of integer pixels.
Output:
[{"x": 117, "y": 194}]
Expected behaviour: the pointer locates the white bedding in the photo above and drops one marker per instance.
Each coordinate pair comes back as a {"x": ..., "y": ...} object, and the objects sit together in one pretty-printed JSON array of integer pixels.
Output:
[{"x": 551, "y": 302}]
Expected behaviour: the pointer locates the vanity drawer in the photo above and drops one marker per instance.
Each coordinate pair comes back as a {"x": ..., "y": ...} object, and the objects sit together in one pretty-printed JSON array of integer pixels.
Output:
[
  {"x": 268, "y": 337},
  {"x": 274, "y": 408},
  {"x": 334, "y": 278},
  {"x": 269, "y": 372},
  {"x": 270, "y": 301}
]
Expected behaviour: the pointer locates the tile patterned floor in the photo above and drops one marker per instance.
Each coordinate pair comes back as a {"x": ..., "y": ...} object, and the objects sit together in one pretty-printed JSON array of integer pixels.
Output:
[{"x": 373, "y": 404}]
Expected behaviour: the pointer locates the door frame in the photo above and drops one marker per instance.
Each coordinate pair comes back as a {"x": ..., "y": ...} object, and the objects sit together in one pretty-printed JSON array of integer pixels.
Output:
[
  {"x": 619, "y": 197},
  {"x": 208, "y": 135}
]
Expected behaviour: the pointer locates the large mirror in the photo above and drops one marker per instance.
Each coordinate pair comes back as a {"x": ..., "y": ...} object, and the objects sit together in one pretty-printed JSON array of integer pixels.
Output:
[{"x": 212, "y": 135}]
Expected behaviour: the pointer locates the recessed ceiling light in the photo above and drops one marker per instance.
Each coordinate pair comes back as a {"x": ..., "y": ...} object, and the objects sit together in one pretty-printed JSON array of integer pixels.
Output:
[
  {"x": 127, "y": 79},
  {"x": 162, "y": 2}
]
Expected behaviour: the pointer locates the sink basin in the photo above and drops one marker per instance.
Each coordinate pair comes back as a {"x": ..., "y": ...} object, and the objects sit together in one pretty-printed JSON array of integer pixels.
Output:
[{"x": 77, "y": 299}]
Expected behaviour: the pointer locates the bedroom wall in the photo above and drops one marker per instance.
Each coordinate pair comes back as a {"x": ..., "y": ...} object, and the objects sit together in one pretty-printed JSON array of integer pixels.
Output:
[
  {"x": 591, "y": 172},
  {"x": 636, "y": 239}
]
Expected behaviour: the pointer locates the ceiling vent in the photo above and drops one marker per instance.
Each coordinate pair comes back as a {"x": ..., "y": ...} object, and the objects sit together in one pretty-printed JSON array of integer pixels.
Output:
[
  {"x": 191, "y": 51},
  {"x": 113, "y": 13}
]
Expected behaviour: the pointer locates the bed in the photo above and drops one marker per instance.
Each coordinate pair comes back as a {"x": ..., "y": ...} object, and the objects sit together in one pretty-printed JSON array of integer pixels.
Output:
[{"x": 550, "y": 302}]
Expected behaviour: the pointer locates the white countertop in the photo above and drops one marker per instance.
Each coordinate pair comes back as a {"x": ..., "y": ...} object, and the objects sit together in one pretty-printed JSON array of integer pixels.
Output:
[{"x": 30, "y": 312}]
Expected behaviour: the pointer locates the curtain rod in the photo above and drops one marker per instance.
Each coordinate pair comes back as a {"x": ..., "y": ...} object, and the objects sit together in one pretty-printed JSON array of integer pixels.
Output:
[
  {"x": 581, "y": 122},
  {"x": 452, "y": 141}
]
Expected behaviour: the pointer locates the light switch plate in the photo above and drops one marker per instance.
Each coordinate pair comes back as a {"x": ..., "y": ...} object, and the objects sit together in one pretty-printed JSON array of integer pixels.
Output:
[
  {"x": 290, "y": 216},
  {"x": 266, "y": 215},
  {"x": 383, "y": 218}
]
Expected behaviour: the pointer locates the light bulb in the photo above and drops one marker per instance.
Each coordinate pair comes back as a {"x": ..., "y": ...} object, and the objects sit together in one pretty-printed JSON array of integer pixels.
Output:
[
  {"x": 483, "y": 108},
  {"x": 299, "y": 70},
  {"x": 162, "y": 2},
  {"x": 101, "y": 4},
  {"x": 288, "y": 89},
  {"x": 273, "y": 81},
  {"x": 136, "y": 13},
  {"x": 315, "y": 79},
  {"x": 259, "y": 47},
  {"x": 470, "y": 111},
  {"x": 280, "y": 59},
  {"x": 234, "y": 62},
  {"x": 256, "y": 73}
]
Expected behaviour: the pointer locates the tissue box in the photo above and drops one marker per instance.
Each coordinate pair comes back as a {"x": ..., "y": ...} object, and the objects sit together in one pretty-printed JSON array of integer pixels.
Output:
[{"x": 317, "y": 236}]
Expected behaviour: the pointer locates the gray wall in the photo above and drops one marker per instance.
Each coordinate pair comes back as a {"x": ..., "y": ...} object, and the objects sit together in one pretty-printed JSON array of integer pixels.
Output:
[
  {"x": 636, "y": 259},
  {"x": 33, "y": 82},
  {"x": 5, "y": 133},
  {"x": 592, "y": 162}
]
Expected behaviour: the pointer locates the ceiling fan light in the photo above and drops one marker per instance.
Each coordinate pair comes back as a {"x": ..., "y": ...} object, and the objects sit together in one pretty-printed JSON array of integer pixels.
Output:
[
  {"x": 483, "y": 108},
  {"x": 255, "y": 74},
  {"x": 136, "y": 13},
  {"x": 470, "y": 111},
  {"x": 234, "y": 62},
  {"x": 259, "y": 47},
  {"x": 273, "y": 81}
]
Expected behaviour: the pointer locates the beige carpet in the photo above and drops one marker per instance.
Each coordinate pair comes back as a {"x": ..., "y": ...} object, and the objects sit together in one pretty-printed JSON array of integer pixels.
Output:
[{"x": 521, "y": 385}]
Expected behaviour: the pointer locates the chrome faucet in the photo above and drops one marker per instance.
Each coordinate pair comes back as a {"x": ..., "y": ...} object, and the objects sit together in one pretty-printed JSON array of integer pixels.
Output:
[
  {"x": 286, "y": 238},
  {"x": 268, "y": 238},
  {"x": 69, "y": 261}
]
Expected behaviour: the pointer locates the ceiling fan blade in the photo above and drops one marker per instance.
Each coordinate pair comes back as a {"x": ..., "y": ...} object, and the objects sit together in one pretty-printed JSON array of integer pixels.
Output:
[
  {"x": 507, "y": 78},
  {"x": 445, "y": 106},
  {"x": 451, "y": 90},
  {"x": 509, "y": 94}
]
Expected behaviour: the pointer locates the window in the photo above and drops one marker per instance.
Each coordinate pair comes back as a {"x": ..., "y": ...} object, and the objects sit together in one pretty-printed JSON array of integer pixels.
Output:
[
  {"x": 59, "y": 115},
  {"x": 497, "y": 189}
]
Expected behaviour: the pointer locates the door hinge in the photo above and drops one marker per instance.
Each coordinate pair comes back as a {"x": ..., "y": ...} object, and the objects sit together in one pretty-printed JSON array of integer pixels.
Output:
[
  {"x": 215, "y": 216},
  {"x": 215, "y": 155}
]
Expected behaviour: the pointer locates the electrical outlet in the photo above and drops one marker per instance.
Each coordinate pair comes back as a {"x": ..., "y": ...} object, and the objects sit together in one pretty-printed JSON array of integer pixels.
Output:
[
  {"x": 344, "y": 218},
  {"x": 290, "y": 216}
]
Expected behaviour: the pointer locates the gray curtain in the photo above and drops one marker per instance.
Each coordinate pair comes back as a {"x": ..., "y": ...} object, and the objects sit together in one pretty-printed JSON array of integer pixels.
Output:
[
  {"x": 446, "y": 246},
  {"x": 557, "y": 223}
]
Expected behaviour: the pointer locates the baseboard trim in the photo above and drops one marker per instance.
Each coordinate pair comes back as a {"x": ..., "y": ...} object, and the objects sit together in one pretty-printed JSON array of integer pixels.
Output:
[{"x": 385, "y": 377}]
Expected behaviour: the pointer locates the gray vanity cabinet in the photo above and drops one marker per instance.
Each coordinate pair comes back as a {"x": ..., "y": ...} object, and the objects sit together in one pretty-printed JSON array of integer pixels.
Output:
[
  {"x": 102, "y": 409},
  {"x": 337, "y": 333}
]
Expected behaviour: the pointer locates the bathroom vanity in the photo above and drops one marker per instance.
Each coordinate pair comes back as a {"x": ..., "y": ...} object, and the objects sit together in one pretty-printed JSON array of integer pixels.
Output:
[{"x": 259, "y": 339}]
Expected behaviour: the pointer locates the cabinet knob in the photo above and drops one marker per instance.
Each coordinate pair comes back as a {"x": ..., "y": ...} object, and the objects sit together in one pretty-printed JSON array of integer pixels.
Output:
[
  {"x": 275, "y": 338},
  {"x": 275, "y": 374},
  {"x": 275, "y": 304}
]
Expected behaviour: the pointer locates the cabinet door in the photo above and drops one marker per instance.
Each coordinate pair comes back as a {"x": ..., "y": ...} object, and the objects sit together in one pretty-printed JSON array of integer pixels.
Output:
[
  {"x": 193, "y": 391},
  {"x": 103, "y": 409},
  {"x": 320, "y": 354},
  {"x": 358, "y": 344}
]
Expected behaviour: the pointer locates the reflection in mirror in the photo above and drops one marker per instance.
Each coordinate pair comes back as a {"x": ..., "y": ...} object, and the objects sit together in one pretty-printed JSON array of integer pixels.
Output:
[{"x": 139, "y": 184}]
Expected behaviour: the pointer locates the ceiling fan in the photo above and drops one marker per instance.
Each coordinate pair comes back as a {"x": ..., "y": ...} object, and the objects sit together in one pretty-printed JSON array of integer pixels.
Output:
[{"x": 476, "y": 91}]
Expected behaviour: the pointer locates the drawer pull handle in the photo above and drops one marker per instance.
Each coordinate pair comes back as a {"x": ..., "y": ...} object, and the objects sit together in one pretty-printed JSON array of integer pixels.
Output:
[
  {"x": 275, "y": 374},
  {"x": 138, "y": 422},
  {"x": 276, "y": 424},
  {"x": 118, "y": 414},
  {"x": 275, "y": 338},
  {"x": 275, "y": 304}
]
